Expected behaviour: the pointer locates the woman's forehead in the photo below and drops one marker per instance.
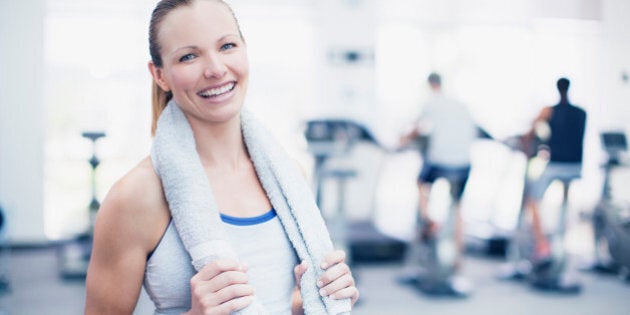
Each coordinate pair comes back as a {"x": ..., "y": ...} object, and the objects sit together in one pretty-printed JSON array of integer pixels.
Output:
[
  {"x": 203, "y": 18},
  {"x": 211, "y": 13}
]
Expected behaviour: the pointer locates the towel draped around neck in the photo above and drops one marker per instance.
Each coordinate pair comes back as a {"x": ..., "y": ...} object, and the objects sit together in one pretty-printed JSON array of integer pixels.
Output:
[{"x": 196, "y": 217}]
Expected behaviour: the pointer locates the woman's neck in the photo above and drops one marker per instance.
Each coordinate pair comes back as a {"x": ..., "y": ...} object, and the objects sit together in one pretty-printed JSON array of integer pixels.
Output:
[{"x": 220, "y": 145}]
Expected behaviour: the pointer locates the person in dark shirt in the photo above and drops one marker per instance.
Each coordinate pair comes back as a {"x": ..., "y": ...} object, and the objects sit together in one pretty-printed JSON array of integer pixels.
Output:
[{"x": 566, "y": 124}]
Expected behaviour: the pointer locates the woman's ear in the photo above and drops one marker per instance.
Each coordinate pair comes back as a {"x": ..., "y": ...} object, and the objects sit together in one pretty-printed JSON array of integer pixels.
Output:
[{"x": 158, "y": 76}]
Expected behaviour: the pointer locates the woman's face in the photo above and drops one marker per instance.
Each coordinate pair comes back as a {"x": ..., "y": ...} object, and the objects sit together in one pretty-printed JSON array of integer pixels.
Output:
[{"x": 204, "y": 61}]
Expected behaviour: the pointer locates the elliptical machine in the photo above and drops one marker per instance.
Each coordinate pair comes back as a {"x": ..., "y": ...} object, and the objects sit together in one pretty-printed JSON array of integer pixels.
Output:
[
  {"x": 432, "y": 256},
  {"x": 549, "y": 274},
  {"x": 611, "y": 219}
]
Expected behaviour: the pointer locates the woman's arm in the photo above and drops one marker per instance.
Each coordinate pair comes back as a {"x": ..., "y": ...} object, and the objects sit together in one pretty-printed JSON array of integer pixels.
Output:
[{"x": 129, "y": 225}]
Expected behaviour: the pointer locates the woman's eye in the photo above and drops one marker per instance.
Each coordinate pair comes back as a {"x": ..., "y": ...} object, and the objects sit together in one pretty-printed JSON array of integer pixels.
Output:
[
  {"x": 187, "y": 57},
  {"x": 228, "y": 46}
]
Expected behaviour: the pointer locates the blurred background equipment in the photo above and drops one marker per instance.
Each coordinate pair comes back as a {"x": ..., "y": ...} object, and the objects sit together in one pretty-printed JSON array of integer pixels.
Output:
[
  {"x": 74, "y": 255},
  {"x": 611, "y": 218},
  {"x": 5, "y": 285},
  {"x": 433, "y": 259},
  {"x": 93, "y": 136},
  {"x": 347, "y": 169},
  {"x": 4, "y": 256},
  {"x": 490, "y": 217},
  {"x": 501, "y": 165},
  {"x": 549, "y": 274}
]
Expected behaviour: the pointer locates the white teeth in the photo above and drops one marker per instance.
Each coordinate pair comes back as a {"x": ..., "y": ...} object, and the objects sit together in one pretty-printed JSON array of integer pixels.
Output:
[{"x": 217, "y": 91}]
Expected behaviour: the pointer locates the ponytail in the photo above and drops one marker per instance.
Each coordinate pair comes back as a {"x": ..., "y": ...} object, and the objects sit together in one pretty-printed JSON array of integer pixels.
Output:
[{"x": 159, "y": 99}]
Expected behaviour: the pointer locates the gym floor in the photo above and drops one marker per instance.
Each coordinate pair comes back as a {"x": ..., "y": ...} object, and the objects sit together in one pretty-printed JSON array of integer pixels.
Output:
[{"x": 36, "y": 288}]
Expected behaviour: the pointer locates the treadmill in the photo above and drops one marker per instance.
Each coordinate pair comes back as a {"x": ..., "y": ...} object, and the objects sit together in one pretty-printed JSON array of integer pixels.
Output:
[{"x": 347, "y": 162}]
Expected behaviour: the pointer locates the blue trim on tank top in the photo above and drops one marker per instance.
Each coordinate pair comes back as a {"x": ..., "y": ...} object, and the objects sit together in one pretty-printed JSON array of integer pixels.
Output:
[{"x": 250, "y": 220}]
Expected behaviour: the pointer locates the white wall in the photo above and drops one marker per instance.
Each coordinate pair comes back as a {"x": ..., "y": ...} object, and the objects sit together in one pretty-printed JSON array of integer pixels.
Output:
[
  {"x": 615, "y": 93},
  {"x": 21, "y": 118},
  {"x": 345, "y": 88}
]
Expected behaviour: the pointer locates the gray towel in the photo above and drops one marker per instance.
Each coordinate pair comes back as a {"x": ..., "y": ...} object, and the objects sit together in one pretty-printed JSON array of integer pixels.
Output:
[{"x": 196, "y": 217}]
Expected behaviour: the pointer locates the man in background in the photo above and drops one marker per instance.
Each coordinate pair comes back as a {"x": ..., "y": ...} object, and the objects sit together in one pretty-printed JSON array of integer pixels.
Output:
[
  {"x": 566, "y": 124},
  {"x": 450, "y": 129}
]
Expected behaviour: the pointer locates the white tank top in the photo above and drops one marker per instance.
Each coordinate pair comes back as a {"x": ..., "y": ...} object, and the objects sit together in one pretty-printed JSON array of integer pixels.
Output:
[{"x": 259, "y": 241}]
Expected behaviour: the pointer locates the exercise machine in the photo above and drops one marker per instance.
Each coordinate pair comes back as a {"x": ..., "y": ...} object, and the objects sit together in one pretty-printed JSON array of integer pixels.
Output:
[
  {"x": 74, "y": 255},
  {"x": 435, "y": 252},
  {"x": 490, "y": 215},
  {"x": 548, "y": 274},
  {"x": 611, "y": 218},
  {"x": 431, "y": 262},
  {"x": 346, "y": 172}
]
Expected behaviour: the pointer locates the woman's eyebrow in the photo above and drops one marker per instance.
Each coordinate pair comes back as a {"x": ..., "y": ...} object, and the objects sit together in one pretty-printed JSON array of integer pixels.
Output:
[{"x": 193, "y": 47}]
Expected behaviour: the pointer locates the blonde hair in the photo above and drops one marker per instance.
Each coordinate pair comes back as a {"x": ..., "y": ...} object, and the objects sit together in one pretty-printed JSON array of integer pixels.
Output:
[{"x": 159, "y": 99}]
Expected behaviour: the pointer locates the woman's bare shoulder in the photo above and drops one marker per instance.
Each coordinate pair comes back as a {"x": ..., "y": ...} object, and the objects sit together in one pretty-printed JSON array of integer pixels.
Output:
[
  {"x": 140, "y": 189},
  {"x": 135, "y": 204}
]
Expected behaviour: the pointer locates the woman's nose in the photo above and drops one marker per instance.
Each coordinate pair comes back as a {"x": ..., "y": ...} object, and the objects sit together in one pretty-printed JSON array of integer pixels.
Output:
[{"x": 214, "y": 67}]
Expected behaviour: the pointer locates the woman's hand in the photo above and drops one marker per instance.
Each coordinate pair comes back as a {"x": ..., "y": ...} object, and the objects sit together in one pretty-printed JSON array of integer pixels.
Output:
[
  {"x": 220, "y": 287},
  {"x": 337, "y": 281}
]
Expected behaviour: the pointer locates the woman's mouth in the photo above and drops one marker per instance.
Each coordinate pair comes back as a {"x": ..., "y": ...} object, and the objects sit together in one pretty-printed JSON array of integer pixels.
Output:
[{"x": 214, "y": 92}]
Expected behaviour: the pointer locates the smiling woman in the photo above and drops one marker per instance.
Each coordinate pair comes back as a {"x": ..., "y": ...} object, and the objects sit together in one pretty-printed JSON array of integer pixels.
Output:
[{"x": 148, "y": 228}]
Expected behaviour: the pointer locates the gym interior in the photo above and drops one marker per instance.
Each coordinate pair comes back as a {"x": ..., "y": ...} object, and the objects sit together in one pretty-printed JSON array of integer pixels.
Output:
[{"x": 350, "y": 76}]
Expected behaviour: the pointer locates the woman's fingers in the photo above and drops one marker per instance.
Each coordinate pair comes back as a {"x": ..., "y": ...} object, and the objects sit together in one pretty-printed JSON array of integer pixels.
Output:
[
  {"x": 221, "y": 287},
  {"x": 349, "y": 292},
  {"x": 332, "y": 273},
  {"x": 229, "y": 293},
  {"x": 234, "y": 305},
  {"x": 337, "y": 281},
  {"x": 340, "y": 283},
  {"x": 333, "y": 258},
  {"x": 217, "y": 267},
  {"x": 226, "y": 279}
]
